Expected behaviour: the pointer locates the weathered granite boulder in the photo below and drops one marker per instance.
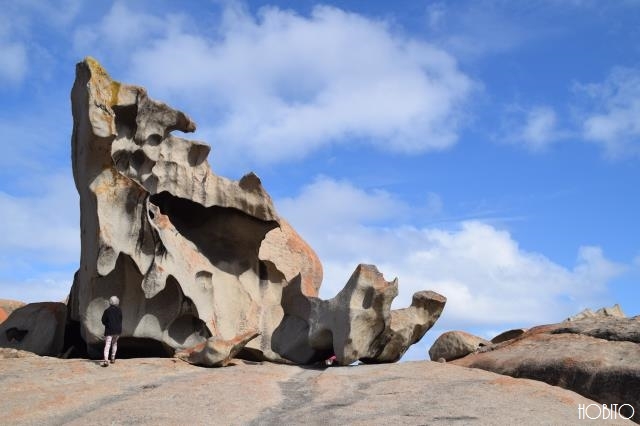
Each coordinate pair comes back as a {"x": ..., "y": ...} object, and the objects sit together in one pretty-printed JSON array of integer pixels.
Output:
[
  {"x": 408, "y": 326},
  {"x": 598, "y": 357},
  {"x": 204, "y": 267},
  {"x": 455, "y": 344},
  {"x": 216, "y": 352},
  {"x": 284, "y": 247},
  {"x": 35, "y": 327},
  {"x": 508, "y": 335},
  {"x": 178, "y": 244},
  {"x": 357, "y": 324}
]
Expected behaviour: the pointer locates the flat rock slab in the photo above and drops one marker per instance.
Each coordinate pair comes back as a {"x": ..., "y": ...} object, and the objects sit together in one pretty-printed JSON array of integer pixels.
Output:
[{"x": 42, "y": 390}]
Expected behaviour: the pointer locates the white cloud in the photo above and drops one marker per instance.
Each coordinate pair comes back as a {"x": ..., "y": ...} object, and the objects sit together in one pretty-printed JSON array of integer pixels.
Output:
[
  {"x": 488, "y": 279},
  {"x": 20, "y": 23},
  {"x": 282, "y": 85},
  {"x": 348, "y": 206},
  {"x": 52, "y": 287},
  {"x": 476, "y": 29},
  {"x": 612, "y": 118},
  {"x": 606, "y": 114},
  {"x": 57, "y": 13},
  {"x": 40, "y": 246},
  {"x": 13, "y": 62},
  {"x": 13, "y": 52},
  {"x": 119, "y": 29},
  {"x": 535, "y": 128},
  {"x": 434, "y": 206},
  {"x": 540, "y": 128},
  {"x": 43, "y": 226}
]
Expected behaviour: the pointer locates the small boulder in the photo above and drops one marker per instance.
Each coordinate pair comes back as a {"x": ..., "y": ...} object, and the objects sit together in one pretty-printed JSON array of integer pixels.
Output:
[
  {"x": 456, "y": 344},
  {"x": 508, "y": 335},
  {"x": 35, "y": 327},
  {"x": 216, "y": 352}
]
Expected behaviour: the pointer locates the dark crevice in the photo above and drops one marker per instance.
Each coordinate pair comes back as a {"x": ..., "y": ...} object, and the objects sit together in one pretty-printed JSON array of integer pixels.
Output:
[
  {"x": 14, "y": 334},
  {"x": 187, "y": 326},
  {"x": 140, "y": 347},
  {"x": 228, "y": 237},
  {"x": 126, "y": 125}
]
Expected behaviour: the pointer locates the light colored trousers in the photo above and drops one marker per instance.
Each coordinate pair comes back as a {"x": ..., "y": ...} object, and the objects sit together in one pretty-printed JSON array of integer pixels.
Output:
[{"x": 110, "y": 342}]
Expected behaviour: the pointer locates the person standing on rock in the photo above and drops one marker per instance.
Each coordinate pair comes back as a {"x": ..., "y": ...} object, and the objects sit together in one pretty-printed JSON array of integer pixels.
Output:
[{"x": 112, "y": 320}]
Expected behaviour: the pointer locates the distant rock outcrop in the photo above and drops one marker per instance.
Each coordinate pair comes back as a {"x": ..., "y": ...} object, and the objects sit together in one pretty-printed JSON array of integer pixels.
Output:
[
  {"x": 613, "y": 311},
  {"x": 595, "y": 356},
  {"x": 203, "y": 265},
  {"x": 7, "y": 306}
]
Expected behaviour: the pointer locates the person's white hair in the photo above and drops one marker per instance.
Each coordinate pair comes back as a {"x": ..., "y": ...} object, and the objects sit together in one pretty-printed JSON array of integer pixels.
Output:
[{"x": 113, "y": 300}]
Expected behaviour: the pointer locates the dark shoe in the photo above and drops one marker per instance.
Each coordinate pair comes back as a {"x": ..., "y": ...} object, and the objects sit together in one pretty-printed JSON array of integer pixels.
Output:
[
  {"x": 113, "y": 361},
  {"x": 104, "y": 364}
]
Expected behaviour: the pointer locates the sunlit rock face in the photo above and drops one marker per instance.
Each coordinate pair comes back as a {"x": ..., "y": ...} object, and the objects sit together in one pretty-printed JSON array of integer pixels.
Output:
[{"x": 203, "y": 265}]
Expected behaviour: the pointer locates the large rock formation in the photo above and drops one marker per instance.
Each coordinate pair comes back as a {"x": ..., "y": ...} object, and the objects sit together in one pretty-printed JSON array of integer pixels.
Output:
[
  {"x": 598, "y": 357},
  {"x": 204, "y": 265}
]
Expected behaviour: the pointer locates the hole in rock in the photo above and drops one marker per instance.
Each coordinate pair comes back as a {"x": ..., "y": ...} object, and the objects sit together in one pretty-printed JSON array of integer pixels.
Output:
[
  {"x": 229, "y": 238},
  {"x": 154, "y": 139},
  {"x": 126, "y": 120},
  {"x": 189, "y": 331},
  {"x": 139, "y": 347},
  {"x": 250, "y": 354},
  {"x": 14, "y": 334},
  {"x": 121, "y": 159},
  {"x": 197, "y": 154},
  {"x": 138, "y": 159},
  {"x": 74, "y": 345}
]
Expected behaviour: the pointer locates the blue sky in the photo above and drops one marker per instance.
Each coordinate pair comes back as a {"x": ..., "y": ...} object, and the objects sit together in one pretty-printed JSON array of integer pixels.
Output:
[{"x": 487, "y": 150}]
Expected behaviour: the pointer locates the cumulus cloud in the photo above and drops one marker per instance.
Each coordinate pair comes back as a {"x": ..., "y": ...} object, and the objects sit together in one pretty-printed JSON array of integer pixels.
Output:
[
  {"x": 348, "y": 205},
  {"x": 489, "y": 280},
  {"x": 605, "y": 114},
  {"x": 20, "y": 23},
  {"x": 13, "y": 62},
  {"x": 119, "y": 29},
  {"x": 41, "y": 226},
  {"x": 540, "y": 128},
  {"x": 13, "y": 52},
  {"x": 475, "y": 29},
  {"x": 52, "y": 287},
  {"x": 611, "y": 117},
  {"x": 535, "y": 128},
  {"x": 40, "y": 246},
  {"x": 57, "y": 13},
  {"x": 282, "y": 85}
]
